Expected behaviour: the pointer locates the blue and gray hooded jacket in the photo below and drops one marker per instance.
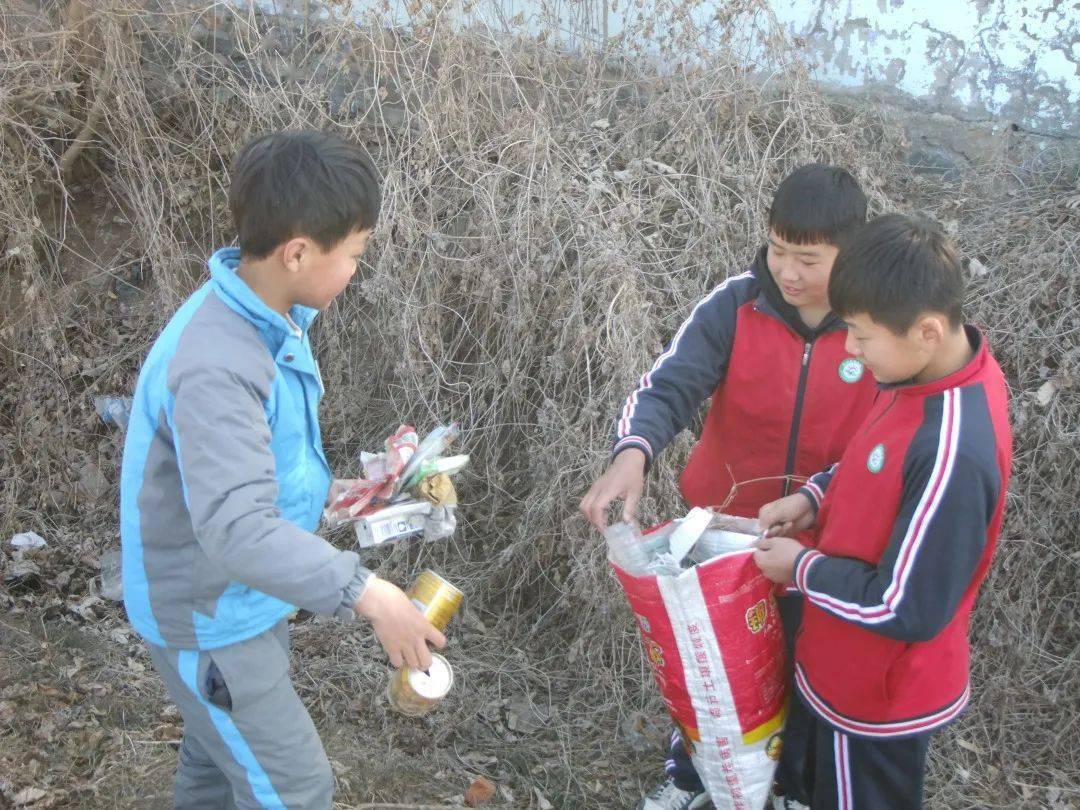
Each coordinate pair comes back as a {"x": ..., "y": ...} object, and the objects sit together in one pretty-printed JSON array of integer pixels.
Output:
[{"x": 224, "y": 477}]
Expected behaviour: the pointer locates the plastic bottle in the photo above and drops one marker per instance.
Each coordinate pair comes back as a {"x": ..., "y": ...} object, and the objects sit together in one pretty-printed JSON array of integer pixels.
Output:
[
  {"x": 114, "y": 410},
  {"x": 112, "y": 586},
  {"x": 433, "y": 446}
]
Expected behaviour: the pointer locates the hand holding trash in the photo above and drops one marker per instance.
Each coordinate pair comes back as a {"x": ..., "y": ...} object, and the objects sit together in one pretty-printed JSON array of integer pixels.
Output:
[
  {"x": 406, "y": 490},
  {"x": 402, "y": 630},
  {"x": 787, "y": 516},
  {"x": 351, "y": 499},
  {"x": 624, "y": 480}
]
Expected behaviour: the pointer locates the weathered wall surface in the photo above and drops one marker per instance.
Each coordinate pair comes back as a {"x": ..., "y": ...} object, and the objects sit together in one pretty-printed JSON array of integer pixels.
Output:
[{"x": 1012, "y": 60}]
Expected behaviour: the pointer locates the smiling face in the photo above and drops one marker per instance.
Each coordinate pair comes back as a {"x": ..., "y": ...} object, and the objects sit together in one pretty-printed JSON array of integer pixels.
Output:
[{"x": 801, "y": 271}]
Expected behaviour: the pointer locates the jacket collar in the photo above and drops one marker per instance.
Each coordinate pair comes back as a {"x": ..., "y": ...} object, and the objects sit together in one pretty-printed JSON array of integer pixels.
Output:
[
  {"x": 771, "y": 302},
  {"x": 962, "y": 376},
  {"x": 240, "y": 298}
]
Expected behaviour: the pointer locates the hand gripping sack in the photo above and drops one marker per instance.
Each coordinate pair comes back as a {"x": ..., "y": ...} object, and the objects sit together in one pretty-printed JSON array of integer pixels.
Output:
[{"x": 714, "y": 641}]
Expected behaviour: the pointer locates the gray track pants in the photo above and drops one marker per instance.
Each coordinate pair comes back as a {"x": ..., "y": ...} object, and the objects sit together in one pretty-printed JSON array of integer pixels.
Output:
[{"x": 248, "y": 740}]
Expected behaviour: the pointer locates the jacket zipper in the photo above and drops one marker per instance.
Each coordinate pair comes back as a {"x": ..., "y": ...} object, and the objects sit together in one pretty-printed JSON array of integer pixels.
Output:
[
  {"x": 878, "y": 418},
  {"x": 800, "y": 394}
]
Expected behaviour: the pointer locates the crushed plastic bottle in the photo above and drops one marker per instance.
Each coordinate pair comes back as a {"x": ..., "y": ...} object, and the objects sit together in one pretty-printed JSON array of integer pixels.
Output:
[
  {"x": 111, "y": 583},
  {"x": 436, "y": 466},
  {"x": 433, "y": 446},
  {"x": 664, "y": 565},
  {"x": 113, "y": 410}
]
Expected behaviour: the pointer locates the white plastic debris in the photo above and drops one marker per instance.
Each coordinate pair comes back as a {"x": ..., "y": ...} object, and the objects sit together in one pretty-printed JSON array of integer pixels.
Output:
[
  {"x": 661, "y": 168},
  {"x": 28, "y": 540},
  {"x": 441, "y": 523},
  {"x": 1046, "y": 392},
  {"x": 626, "y": 548},
  {"x": 690, "y": 529}
]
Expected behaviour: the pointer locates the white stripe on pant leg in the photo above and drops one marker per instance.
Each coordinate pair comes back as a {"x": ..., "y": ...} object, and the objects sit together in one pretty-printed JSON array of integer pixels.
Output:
[
  {"x": 843, "y": 771},
  {"x": 849, "y": 802},
  {"x": 187, "y": 664}
]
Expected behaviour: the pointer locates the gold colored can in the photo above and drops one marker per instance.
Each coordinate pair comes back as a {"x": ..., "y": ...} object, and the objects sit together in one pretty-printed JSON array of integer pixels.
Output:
[
  {"x": 415, "y": 692},
  {"x": 436, "y": 598}
]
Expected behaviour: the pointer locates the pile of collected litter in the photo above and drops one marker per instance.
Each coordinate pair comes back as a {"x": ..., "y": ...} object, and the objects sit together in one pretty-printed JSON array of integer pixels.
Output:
[
  {"x": 406, "y": 489},
  {"x": 676, "y": 546}
]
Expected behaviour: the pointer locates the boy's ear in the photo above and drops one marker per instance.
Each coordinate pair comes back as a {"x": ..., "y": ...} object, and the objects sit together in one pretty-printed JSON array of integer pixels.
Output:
[
  {"x": 292, "y": 253},
  {"x": 931, "y": 328}
]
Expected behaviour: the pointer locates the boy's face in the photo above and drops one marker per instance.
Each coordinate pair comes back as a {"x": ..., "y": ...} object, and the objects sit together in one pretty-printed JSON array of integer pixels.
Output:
[
  {"x": 892, "y": 358},
  {"x": 321, "y": 275},
  {"x": 801, "y": 271}
]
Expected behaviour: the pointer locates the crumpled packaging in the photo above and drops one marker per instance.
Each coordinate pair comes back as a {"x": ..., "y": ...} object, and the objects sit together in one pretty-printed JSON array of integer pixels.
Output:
[{"x": 438, "y": 490}]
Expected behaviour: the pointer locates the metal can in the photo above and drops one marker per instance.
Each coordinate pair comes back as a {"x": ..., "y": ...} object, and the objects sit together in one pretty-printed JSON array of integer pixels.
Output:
[
  {"x": 436, "y": 598},
  {"x": 415, "y": 692}
]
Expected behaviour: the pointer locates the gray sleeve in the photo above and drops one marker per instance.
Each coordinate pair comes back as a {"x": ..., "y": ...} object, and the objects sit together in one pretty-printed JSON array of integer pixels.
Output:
[
  {"x": 222, "y": 442},
  {"x": 353, "y": 591}
]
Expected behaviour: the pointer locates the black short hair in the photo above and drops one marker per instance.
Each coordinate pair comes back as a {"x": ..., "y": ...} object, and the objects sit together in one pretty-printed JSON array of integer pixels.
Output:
[
  {"x": 815, "y": 204},
  {"x": 301, "y": 183},
  {"x": 895, "y": 269}
]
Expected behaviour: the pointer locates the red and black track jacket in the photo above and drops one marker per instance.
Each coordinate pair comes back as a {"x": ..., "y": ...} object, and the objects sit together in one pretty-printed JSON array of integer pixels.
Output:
[
  {"x": 907, "y": 526},
  {"x": 785, "y": 398}
]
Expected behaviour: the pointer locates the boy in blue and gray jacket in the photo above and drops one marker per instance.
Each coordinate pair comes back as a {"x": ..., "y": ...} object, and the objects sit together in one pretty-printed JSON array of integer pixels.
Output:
[{"x": 224, "y": 480}]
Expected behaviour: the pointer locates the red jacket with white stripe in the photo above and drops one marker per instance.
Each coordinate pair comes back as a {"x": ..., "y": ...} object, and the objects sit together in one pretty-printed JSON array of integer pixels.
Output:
[
  {"x": 907, "y": 526},
  {"x": 785, "y": 398}
]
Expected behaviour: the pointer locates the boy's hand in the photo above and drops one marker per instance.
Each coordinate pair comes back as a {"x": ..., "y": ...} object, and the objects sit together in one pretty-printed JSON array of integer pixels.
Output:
[
  {"x": 786, "y": 516},
  {"x": 402, "y": 630},
  {"x": 776, "y": 556},
  {"x": 625, "y": 480}
]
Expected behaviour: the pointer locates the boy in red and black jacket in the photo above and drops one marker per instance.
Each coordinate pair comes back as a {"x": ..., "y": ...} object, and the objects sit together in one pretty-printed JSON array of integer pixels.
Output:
[
  {"x": 786, "y": 396},
  {"x": 908, "y": 521}
]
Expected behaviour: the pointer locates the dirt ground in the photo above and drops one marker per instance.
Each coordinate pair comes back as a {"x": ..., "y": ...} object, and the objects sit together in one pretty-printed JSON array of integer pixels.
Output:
[
  {"x": 85, "y": 722},
  {"x": 105, "y": 735}
]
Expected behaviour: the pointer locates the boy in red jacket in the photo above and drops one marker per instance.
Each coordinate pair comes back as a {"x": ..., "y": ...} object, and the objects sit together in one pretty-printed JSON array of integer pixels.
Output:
[
  {"x": 908, "y": 521},
  {"x": 786, "y": 396}
]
